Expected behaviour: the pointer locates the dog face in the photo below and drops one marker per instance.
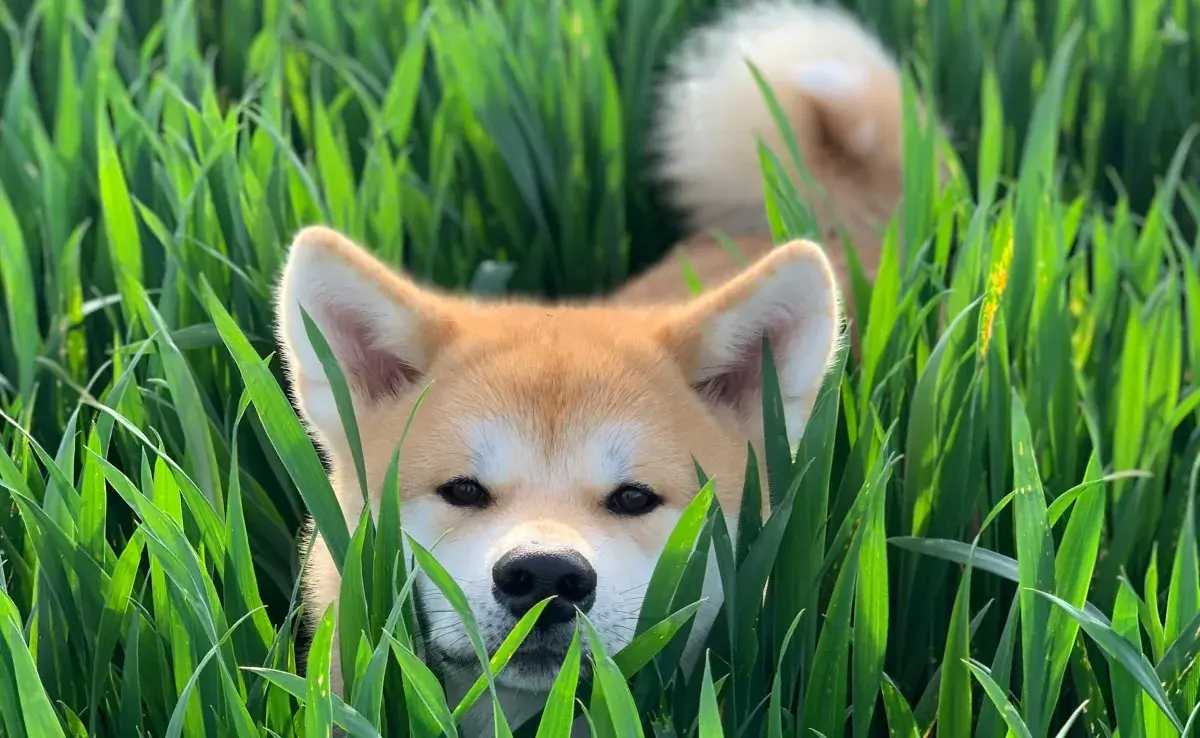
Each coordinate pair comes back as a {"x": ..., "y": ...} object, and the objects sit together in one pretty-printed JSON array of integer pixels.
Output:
[{"x": 553, "y": 451}]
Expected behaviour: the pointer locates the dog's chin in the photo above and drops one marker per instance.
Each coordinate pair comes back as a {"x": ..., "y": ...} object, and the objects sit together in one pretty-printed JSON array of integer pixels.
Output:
[
  {"x": 534, "y": 666},
  {"x": 533, "y": 670}
]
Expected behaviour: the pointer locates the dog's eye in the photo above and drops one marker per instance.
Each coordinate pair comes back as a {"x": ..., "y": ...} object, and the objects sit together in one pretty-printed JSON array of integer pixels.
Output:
[
  {"x": 632, "y": 499},
  {"x": 465, "y": 492}
]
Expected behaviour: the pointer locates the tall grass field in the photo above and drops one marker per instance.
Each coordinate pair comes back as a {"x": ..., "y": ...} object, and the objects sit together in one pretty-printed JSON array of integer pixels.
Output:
[{"x": 989, "y": 528}]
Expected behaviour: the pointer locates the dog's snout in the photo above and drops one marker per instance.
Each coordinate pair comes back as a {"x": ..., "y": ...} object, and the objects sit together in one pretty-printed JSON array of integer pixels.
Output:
[{"x": 524, "y": 577}]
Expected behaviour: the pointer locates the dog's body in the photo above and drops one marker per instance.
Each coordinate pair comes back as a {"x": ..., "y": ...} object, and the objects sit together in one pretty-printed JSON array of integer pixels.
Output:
[
  {"x": 841, "y": 94},
  {"x": 554, "y": 449}
]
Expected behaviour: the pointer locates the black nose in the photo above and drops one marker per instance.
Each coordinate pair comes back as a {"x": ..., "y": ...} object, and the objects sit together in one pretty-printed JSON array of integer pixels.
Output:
[{"x": 523, "y": 577}]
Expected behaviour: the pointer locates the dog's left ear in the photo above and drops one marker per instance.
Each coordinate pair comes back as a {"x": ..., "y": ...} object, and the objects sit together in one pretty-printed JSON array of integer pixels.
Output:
[
  {"x": 790, "y": 296},
  {"x": 383, "y": 329}
]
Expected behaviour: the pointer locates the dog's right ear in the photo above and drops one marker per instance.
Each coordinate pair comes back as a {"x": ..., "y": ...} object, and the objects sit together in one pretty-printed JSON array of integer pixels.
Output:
[
  {"x": 383, "y": 329},
  {"x": 789, "y": 296}
]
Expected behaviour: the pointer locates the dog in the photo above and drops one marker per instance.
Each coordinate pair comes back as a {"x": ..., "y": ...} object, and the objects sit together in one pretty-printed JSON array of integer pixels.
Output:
[{"x": 553, "y": 452}]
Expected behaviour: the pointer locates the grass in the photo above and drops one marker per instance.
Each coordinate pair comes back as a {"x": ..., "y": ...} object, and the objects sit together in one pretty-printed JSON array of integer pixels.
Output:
[{"x": 989, "y": 526}]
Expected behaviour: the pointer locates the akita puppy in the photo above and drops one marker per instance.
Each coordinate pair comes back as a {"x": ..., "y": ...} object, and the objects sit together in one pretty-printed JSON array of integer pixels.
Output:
[{"x": 553, "y": 453}]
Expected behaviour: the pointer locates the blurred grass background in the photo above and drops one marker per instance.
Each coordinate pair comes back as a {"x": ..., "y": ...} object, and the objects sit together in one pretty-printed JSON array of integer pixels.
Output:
[
  {"x": 526, "y": 140},
  {"x": 150, "y": 151}
]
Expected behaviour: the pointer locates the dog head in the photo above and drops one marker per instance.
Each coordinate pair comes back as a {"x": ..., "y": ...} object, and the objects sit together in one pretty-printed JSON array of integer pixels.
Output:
[{"x": 553, "y": 451}]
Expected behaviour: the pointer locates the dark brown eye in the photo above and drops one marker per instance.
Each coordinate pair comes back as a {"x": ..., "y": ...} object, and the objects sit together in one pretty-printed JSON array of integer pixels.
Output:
[
  {"x": 465, "y": 492},
  {"x": 632, "y": 500}
]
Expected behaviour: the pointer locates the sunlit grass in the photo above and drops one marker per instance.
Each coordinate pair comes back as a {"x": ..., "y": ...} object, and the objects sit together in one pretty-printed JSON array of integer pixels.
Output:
[{"x": 990, "y": 521}]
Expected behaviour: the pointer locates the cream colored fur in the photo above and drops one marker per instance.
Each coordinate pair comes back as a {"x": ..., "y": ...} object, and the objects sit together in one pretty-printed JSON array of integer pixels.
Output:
[
  {"x": 552, "y": 406},
  {"x": 841, "y": 93}
]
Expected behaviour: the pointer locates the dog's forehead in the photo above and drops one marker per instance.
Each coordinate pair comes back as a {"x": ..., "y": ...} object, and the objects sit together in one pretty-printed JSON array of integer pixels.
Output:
[
  {"x": 557, "y": 399},
  {"x": 507, "y": 449},
  {"x": 559, "y": 368},
  {"x": 552, "y": 404}
]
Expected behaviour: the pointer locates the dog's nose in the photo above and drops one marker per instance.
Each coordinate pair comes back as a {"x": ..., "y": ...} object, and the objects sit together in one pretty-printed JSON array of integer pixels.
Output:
[{"x": 523, "y": 577}]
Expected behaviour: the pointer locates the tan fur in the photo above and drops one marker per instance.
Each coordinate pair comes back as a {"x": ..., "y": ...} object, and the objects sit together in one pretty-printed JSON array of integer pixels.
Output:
[
  {"x": 841, "y": 93},
  {"x": 637, "y": 366},
  {"x": 713, "y": 264},
  {"x": 558, "y": 369}
]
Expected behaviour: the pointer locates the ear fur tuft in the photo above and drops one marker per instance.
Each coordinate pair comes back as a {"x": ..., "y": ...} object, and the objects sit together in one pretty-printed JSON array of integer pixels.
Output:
[
  {"x": 381, "y": 327},
  {"x": 790, "y": 297}
]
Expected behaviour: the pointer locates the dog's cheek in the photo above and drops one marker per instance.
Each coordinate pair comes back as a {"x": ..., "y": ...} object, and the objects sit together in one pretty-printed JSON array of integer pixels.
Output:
[
  {"x": 460, "y": 546},
  {"x": 624, "y": 566}
]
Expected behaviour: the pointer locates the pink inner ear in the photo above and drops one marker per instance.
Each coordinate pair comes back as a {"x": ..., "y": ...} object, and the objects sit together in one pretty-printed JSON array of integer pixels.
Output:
[
  {"x": 737, "y": 382},
  {"x": 370, "y": 370}
]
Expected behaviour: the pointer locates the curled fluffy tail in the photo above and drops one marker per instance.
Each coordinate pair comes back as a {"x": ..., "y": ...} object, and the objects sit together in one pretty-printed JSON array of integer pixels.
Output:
[{"x": 836, "y": 83}]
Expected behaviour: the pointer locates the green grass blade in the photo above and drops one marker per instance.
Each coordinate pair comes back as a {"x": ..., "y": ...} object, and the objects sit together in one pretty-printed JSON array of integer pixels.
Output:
[
  {"x": 341, "y": 397},
  {"x": 1074, "y": 566},
  {"x": 175, "y": 728},
  {"x": 645, "y": 647},
  {"x": 954, "y": 691},
  {"x": 36, "y": 710},
  {"x": 426, "y": 687},
  {"x": 343, "y": 716},
  {"x": 1066, "y": 728},
  {"x": 285, "y": 432},
  {"x": 750, "y": 514},
  {"x": 16, "y": 279},
  {"x": 710, "y": 713},
  {"x": 389, "y": 547},
  {"x": 1119, "y": 650},
  {"x": 1011, "y": 716},
  {"x": 114, "y": 614},
  {"x": 622, "y": 711},
  {"x": 1035, "y": 562},
  {"x": 988, "y": 725},
  {"x": 559, "y": 714},
  {"x": 669, "y": 569},
  {"x": 457, "y": 599},
  {"x": 508, "y": 647},
  {"x": 825, "y": 697},
  {"x": 901, "y": 723},
  {"x": 120, "y": 226},
  {"x": 1183, "y": 599},
  {"x": 1035, "y": 175},
  {"x": 353, "y": 615},
  {"x": 870, "y": 607},
  {"x": 775, "y": 707}
]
